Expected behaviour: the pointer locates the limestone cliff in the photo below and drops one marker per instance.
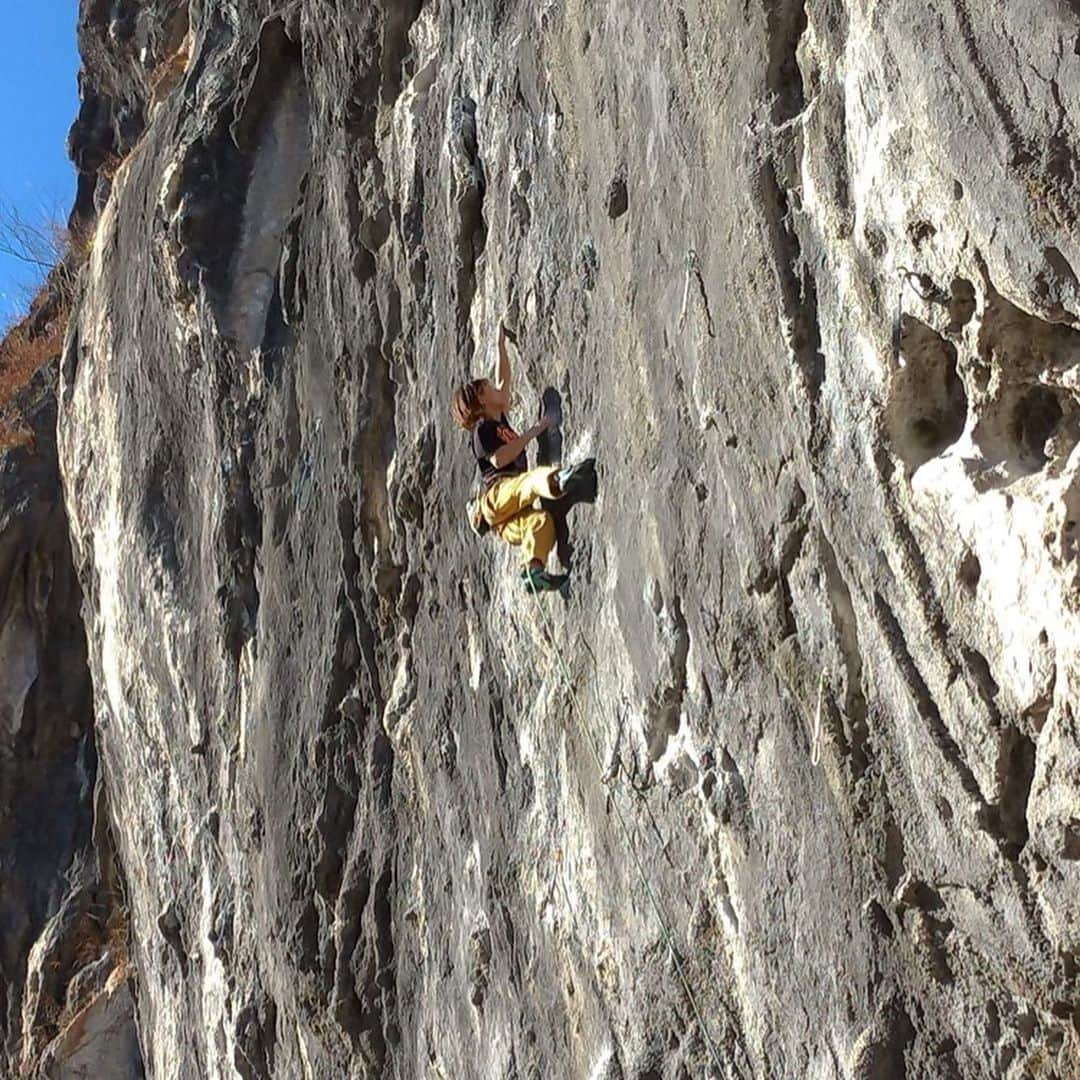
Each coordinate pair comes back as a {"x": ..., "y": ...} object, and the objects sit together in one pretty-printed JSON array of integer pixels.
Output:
[
  {"x": 63, "y": 967},
  {"x": 787, "y": 784}
]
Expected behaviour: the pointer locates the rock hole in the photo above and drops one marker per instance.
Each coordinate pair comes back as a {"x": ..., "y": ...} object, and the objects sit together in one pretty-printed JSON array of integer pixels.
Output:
[
  {"x": 1034, "y": 420},
  {"x": 617, "y": 199},
  {"x": 916, "y": 894},
  {"x": 1026, "y": 1026},
  {"x": 1026, "y": 356},
  {"x": 1015, "y": 772},
  {"x": 879, "y": 920},
  {"x": 970, "y": 571},
  {"x": 884, "y": 1058},
  {"x": 927, "y": 406},
  {"x": 1063, "y": 1010},
  {"x": 1070, "y": 847},
  {"x": 921, "y": 231},
  {"x": 961, "y": 304},
  {"x": 957, "y": 190}
]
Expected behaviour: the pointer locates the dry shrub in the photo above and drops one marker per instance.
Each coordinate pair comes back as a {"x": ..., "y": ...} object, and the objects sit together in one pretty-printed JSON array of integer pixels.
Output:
[
  {"x": 13, "y": 432},
  {"x": 47, "y": 1024},
  {"x": 92, "y": 941},
  {"x": 89, "y": 942},
  {"x": 22, "y": 355},
  {"x": 116, "y": 936},
  {"x": 79, "y": 244},
  {"x": 39, "y": 338}
]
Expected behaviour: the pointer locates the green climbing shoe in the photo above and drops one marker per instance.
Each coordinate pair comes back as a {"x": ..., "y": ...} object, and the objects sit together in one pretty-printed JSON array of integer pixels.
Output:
[{"x": 537, "y": 581}]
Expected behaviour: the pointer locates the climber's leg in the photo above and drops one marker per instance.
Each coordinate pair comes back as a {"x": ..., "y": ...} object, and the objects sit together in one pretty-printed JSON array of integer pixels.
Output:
[
  {"x": 534, "y": 532},
  {"x": 513, "y": 494}
]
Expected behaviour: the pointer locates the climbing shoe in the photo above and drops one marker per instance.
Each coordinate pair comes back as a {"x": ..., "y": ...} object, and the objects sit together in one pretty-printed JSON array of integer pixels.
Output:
[
  {"x": 578, "y": 481},
  {"x": 536, "y": 580},
  {"x": 477, "y": 521}
]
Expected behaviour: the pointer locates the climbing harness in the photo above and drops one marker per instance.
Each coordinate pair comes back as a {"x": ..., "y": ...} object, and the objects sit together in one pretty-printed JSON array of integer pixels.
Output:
[{"x": 669, "y": 937}]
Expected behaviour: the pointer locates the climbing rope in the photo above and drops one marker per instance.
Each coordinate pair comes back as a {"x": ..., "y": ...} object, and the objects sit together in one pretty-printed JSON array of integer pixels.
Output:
[{"x": 669, "y": 937}]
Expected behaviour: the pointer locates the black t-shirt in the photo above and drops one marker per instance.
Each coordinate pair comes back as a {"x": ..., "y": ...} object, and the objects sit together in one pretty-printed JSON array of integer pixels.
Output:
[{"x": 487, "y": 437}]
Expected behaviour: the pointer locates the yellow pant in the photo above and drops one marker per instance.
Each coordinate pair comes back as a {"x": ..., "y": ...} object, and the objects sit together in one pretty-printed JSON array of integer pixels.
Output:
[{"x": 509, "y": 507}]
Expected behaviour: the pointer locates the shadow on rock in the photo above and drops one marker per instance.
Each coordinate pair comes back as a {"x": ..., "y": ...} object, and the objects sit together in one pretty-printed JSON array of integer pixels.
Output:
[{"x": 581, "y": 486}]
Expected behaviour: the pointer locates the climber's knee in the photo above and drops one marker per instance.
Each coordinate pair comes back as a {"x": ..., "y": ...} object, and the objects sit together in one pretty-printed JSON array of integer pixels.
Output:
[
  {"x": 541, "y": 483},
  {"x": 514, "y": 495}
]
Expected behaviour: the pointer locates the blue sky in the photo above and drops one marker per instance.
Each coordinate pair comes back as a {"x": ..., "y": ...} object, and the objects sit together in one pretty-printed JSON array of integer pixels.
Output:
[{"x": 39, "y": 63}]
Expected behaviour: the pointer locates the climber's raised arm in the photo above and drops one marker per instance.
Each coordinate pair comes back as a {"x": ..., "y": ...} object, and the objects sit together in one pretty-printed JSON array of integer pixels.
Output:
[
  {"x": 502, "y": 365},
  {"x": 508, "y": 452}
]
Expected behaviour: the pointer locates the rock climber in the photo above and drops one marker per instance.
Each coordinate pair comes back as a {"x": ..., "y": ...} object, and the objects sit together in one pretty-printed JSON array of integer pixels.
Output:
[{"x": 511, "y": 490}]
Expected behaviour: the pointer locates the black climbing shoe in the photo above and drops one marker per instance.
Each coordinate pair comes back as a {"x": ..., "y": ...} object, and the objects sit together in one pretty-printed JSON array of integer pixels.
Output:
[
  {"x": 537, "y": 581},
  {"x": 579, "y": 481}
]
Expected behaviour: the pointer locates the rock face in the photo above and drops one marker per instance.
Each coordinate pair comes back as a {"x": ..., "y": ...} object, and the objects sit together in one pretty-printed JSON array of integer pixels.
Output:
[
  {"x": 61, "y": 922},
  {"x": 787, "y": 784}
]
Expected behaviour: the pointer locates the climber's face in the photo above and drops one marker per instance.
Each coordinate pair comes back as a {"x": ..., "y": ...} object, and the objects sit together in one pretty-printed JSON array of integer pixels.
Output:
[{"x": 494, "y": 401}]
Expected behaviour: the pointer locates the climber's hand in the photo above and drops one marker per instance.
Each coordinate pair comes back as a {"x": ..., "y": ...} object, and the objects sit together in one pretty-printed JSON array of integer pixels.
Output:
[{"x": 502, "y": 364}]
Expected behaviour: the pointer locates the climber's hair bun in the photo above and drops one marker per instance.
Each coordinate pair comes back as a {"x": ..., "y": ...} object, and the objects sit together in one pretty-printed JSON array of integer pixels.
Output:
[{"x": 466, "y": 406}]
